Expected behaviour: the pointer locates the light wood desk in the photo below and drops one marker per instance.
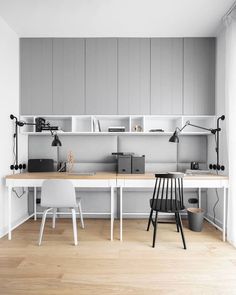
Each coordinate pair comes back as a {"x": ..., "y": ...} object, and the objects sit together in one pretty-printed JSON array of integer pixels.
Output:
[
  {"x": 98, "y": 180},
  {"x": 112, "y": 180},
  {"x": 190, "y": 181}
]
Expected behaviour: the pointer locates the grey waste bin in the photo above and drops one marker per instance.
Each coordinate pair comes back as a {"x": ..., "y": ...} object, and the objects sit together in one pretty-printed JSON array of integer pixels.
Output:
[{"x": 195, "y": 218}]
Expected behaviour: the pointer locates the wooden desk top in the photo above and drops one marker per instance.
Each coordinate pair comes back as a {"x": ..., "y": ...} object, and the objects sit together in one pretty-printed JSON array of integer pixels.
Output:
[
  {"x": 193, "y": 176},
  {"x": 106, "y": 175},
  {"x": 61, "y": 175}
]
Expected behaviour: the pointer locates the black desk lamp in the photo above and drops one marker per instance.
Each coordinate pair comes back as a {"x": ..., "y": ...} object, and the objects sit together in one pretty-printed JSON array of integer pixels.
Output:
[
  {"x": 175, "y": 138},
  {"x": 40, "y": 124}
]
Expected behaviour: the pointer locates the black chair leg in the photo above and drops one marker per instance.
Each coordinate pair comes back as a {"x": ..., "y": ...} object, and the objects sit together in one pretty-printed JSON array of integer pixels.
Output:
[
  {"x": 155, "y": 230},
  {"x": 150, "y": 218},
  {"x": 176, "y": 221},
  {"x": 181, "y": 229}
]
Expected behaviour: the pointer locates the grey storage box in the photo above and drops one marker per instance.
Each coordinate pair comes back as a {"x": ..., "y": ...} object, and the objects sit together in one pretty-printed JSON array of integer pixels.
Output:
[
  {"x": 124, "y": 164},
  {"x": 138, "y": 164}
]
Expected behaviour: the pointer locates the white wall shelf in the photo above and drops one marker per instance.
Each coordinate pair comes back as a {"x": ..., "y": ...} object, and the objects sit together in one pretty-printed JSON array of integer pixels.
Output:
[{"x": 91, "y": 125}]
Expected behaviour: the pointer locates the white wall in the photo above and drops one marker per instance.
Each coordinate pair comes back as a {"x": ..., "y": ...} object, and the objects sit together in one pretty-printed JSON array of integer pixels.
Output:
[
  {"x": 9, "y": 103},
  {"x": 220, "y": 110}
]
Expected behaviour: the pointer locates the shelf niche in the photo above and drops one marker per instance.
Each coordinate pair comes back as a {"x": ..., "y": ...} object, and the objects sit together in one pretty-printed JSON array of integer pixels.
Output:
[{"x": 134, "y": 124}]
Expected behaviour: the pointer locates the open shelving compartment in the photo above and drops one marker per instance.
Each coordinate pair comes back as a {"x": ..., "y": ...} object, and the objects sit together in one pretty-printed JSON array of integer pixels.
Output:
[
  {"x": 165, "y": 123},
  {"x": 134, "y": 124},
  {"x": 64, "y": 123},
  {"x": 102, "y": 123},
  {"x": 82, "y": 124}
]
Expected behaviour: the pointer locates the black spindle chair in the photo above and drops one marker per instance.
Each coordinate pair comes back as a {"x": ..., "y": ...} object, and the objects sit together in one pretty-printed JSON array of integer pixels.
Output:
[{"x": 167, "y": 197}]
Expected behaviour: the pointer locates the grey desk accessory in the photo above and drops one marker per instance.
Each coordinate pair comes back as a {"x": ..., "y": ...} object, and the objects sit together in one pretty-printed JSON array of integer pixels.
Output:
[
  {"x": 137, "y": 128},
  {"x": 197, "y": 172},
  {"x": 194, "y": 165},
  {"x": 128, "y": 163},
  {"x": 124, "y": 164},
  {"x": 138, "y": 164}
]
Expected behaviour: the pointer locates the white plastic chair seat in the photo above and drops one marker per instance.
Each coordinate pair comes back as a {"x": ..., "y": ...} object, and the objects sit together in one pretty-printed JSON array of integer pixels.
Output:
[{"x": 60, "y": 193}]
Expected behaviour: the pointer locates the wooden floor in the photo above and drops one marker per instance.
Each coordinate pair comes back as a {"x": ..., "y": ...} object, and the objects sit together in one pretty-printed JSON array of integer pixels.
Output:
[{"x": 99, "y": 266}]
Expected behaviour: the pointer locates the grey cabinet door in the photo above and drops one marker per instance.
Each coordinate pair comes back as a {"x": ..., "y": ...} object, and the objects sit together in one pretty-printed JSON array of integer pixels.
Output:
[
  {"x": 36, "y": 76},
  {"x": 199, "y": 76},
  {"x": 101, "y": 76},
  {"x": 68, "y": 76},
  {"x": 133, "y": 76},
  {"x": 166, "y": 75}
]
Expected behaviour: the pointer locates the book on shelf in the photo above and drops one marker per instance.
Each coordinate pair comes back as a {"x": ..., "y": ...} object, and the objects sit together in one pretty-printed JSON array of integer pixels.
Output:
[
  {"x": 116, "y": 129},
  {"x": 96, "y": 125}
]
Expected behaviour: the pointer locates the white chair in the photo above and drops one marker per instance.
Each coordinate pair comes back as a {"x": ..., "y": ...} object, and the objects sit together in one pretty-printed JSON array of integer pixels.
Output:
[{"x": 59, "y": 193}]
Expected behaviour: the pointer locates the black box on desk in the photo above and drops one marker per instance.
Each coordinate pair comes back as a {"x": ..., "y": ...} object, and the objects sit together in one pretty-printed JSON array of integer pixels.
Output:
[
  {"x": 124, "y": 164},
  {"x": 40, "y": 165},
  {"x": 138, "y": 164}
]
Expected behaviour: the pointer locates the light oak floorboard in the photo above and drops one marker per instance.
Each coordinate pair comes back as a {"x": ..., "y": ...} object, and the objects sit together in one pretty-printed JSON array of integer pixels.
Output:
[{"x": 100, "y": 266}]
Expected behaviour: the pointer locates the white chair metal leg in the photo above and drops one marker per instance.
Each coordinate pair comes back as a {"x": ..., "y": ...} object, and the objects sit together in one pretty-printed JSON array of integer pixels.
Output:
[
  {"x": 74, "y": 226},
  {"x": 42, "y": 225},
  {"x": 81, "y": 214},
  {"x": 54, "y": 218}
]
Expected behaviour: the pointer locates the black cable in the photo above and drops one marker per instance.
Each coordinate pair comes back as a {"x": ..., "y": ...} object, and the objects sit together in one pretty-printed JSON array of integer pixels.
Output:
[
  {"x": 14, "y": 152},
  {"x": 217, "y": 195},
  {"x": 19, "y": 195},
  {"x": 16, "y": 193},
  {"x": 14, "y": 162},
  {"x": 214, "y": 207}
]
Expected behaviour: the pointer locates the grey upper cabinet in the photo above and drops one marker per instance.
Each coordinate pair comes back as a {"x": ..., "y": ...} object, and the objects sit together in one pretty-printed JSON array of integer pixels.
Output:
[
  {"x": 73, "y": 76},
  {"x": 166, "y": 75},
  {"x": 36, "y": 76},
  {"x": 133, "y": 76},
  {"x": 199, "y": 76},
  {"x": 101, "y": 76},
  {"x": 68, "y": 76}
]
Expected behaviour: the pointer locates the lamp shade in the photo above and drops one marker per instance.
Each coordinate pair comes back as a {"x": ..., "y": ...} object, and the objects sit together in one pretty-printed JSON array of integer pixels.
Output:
[
  {"x": 56, "y": 141},
  {"x": 174, "y": 137}
]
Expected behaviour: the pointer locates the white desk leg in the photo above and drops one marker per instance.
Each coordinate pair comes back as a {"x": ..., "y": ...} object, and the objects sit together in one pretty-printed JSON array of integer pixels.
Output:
[
  {"x": 112, "y": 212},
  {"x": 199, "y": 198},
  {"x": 35, "y": 203},
  {"x": 121, "y": 213},
  {"x": 224, "y": 213},
  {"x": 9, "y": 212}
]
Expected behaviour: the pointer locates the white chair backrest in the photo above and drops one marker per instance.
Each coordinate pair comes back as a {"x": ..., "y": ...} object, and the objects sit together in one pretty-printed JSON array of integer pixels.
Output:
[{"x": 58, "y": 193}]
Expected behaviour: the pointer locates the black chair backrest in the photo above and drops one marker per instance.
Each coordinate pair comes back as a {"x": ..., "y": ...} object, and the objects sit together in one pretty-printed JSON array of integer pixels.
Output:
[{"x": 168, "y": 192}]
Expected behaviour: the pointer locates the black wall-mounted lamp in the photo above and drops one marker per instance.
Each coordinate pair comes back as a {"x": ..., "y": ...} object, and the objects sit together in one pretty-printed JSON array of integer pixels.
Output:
[
  {"x": 175, "y": 138},
  {"x": 18, "y": 123},
  {"x": 40, "y": 124}
]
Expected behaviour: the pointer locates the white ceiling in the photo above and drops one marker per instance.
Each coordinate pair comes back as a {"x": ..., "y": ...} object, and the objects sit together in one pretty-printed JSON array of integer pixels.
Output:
[{"x": 114, "y": 18}]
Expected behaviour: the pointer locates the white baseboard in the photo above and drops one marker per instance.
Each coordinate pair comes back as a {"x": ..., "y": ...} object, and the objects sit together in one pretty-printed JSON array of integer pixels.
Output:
[{"x": 217, "y": 221}]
